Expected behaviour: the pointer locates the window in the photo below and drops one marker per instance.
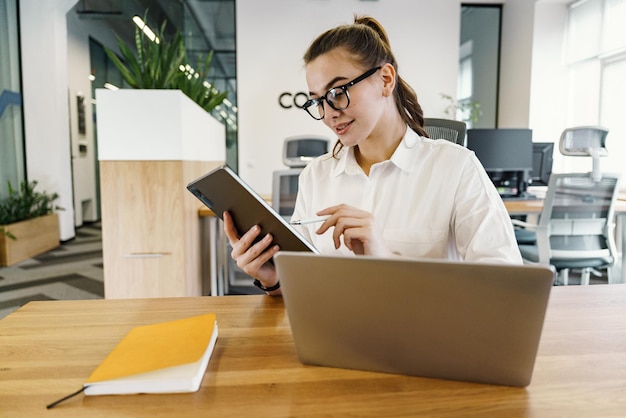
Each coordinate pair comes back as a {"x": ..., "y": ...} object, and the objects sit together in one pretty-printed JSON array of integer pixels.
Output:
[
  {"x": 479, "y": 62},
  {"x": 596, "y": 59}
]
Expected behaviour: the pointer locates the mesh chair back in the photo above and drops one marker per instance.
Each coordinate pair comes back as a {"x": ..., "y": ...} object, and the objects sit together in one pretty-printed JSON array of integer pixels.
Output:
[
  {"x": 577, "y": 220},
  {"x": 452, "y": 130},
  {"x": 583, "y": 140}
]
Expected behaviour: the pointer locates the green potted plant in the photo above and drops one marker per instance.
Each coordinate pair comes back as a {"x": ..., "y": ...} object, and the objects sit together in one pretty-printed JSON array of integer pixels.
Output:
[
  {"x": 28, "y": 224},
  {"x": 159, "y": 133},
  {"x": 164, "y": 64},
  {"x": 470, "y": 110}
]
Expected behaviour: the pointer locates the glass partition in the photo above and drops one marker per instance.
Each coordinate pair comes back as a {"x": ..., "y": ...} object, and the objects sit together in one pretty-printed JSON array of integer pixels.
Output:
[{"x": 12, "y": 166}]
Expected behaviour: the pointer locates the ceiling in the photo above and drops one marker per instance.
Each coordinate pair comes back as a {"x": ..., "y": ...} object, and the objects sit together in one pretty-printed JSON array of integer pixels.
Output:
[{"x": 208, "y": 25}]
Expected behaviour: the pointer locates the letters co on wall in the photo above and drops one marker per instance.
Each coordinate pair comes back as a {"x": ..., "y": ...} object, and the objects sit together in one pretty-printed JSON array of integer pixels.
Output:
[{"x": 288, "y": 100}]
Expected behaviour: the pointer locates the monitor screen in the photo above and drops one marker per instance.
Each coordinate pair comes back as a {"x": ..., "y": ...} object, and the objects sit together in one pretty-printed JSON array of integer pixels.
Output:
[
  {"x": 502, "y": 149},
  {"x": 298, "y": 151},
  {"x": 284, "y": 191},
  {"x": 542, "y": 163}
]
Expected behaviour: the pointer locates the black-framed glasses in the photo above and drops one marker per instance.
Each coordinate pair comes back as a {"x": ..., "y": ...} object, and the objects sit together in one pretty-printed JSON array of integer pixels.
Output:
[{"x": 337, "y": 97}]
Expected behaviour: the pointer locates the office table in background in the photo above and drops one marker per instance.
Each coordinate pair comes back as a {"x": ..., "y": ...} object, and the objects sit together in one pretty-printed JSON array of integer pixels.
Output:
[
  {"x": 47, "y": 350},
  {"x": 215, "y": 266}
]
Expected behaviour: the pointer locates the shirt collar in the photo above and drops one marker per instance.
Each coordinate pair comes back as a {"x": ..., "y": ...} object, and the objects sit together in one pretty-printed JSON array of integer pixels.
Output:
[{"x": 401, "y": 157}]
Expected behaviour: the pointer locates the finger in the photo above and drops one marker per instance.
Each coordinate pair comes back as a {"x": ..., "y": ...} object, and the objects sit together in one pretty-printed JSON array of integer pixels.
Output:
[
  {"x": 326, "y": 225},
  {"x": 258, "y": 261},
  {"x": 243, "y": 244},
  {"x": 229, "y": 228}
]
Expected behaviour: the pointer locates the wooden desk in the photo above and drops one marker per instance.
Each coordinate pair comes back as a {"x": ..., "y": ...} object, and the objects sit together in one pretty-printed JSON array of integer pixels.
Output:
[
  {"x": 47, "y": 349},
  {"x": 529, "y": 207}
]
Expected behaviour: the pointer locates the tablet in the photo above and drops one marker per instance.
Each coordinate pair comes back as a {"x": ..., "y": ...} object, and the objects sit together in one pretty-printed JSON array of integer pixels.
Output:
[{"x": 223, "y": 190}]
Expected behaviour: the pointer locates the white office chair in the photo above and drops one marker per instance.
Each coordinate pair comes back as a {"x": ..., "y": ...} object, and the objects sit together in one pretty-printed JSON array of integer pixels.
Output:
[
  {"x": 585, "y": 141},
  {"x": 576, "y": 226}
]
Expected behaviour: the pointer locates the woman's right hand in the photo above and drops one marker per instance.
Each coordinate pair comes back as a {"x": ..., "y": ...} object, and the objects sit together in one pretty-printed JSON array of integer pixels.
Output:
[{"x": 253, "y": 259}]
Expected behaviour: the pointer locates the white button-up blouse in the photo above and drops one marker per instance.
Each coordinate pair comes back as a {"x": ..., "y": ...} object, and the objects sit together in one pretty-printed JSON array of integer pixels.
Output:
[{"x": 432, "y": 199}]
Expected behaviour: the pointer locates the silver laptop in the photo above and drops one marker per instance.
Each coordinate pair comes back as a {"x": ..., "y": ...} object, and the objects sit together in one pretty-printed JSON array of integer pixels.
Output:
[{"x": 440, "y": 319}]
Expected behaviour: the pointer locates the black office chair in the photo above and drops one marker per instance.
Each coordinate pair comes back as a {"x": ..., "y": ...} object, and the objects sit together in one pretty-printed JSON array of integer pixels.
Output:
[{"x": 452, "y": 130}]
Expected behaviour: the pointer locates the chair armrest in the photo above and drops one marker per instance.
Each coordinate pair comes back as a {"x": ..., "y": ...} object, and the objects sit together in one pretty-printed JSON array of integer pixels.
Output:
[{"x": 522, "y": 224}]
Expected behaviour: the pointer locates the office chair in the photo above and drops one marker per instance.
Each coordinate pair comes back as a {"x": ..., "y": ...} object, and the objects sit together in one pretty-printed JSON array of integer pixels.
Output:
[
  {"x": 580, "y": 141},
  {"x": 584, "y": 141},
  {"x": 576, "y": 226},
  {"x": 452, "y": 130}
]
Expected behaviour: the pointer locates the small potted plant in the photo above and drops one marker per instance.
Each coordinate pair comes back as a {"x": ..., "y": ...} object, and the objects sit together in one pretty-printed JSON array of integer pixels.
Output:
[
  {"x": 28, "y": 224},
  {"x": 467, "y": 111}
]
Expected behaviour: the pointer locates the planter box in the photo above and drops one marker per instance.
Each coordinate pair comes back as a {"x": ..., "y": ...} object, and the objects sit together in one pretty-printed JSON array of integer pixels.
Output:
[
  {"x": 34, "y": 236},
  {"x": 151, "y": 144}
]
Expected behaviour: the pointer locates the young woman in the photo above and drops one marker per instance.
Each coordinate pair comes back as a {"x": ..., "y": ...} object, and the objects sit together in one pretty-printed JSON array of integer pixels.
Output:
[{"x": 386, "y": 189}]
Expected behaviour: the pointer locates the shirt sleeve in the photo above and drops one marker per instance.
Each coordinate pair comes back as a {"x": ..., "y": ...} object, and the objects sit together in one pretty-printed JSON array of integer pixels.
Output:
[
  {"x": 302, "y": 201},
  {"x": 482, "y": 226}
]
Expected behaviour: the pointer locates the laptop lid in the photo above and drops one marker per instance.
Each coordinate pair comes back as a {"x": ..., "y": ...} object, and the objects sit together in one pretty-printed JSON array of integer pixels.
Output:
[{"x": 450, "y": 320}]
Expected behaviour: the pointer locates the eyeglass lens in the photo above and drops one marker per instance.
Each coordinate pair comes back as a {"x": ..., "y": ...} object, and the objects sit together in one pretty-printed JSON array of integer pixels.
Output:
[{"x": 337, "y": 97}]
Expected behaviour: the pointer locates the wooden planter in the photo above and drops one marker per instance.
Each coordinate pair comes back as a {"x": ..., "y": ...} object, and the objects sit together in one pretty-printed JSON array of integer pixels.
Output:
[
  {"x": 161, "y": 140},
  {"x": 34, "y": 236}
]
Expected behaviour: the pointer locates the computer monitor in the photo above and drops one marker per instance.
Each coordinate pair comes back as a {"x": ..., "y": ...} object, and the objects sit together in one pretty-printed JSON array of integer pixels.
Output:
[
  {"x": 506, "y": 155},
  {"x": 284, "y": 191},
  {"x": 299, "y": 150},
  {"x": 542, "y": 163}
]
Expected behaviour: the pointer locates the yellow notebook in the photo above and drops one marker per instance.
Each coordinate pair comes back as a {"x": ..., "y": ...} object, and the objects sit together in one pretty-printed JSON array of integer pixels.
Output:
[{"x": 167, "y": 357}]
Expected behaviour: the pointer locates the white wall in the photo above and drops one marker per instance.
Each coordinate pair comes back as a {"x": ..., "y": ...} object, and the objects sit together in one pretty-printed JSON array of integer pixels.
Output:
[
  {"x": 84, "y": 165},
  {"x": 55, "y": 67},
  {"x": 273, "y": 35},
  {"x": 45, "y": 97},
  {"x": 515, "y": 63}
]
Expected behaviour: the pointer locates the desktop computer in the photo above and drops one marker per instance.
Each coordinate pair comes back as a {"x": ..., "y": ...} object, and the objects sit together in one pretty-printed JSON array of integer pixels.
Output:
[{"x": 507, "y": 156}]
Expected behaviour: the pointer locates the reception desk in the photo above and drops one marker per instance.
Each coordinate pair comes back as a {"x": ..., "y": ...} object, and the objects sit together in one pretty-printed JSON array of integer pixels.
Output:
[{"x": 47, "y": 350}]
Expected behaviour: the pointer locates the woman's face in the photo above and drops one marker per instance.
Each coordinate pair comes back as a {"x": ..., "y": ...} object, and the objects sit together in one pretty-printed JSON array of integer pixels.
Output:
[{"x": 355, "y": 123}]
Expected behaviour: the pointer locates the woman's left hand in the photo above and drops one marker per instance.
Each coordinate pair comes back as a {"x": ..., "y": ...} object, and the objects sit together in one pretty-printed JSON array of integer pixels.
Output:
[{"x": 359, "y": 230}]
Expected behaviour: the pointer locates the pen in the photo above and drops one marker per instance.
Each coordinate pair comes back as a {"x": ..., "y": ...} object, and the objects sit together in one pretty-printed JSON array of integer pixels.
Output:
[{"x": 309, "y": 221}]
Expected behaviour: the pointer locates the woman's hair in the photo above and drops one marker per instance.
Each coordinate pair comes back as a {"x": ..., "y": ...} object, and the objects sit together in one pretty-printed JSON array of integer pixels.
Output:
[{"x": 367, "y": 42}]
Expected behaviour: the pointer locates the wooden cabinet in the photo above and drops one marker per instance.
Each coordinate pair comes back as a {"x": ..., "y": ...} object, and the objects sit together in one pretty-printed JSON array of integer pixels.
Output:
[
  {"x": 151, "y": 145},
  {"x": 150, "y": 228}
]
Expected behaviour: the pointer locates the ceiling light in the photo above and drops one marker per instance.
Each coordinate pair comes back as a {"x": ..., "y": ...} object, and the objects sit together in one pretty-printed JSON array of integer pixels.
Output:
[{"x": 146, "y": 29}]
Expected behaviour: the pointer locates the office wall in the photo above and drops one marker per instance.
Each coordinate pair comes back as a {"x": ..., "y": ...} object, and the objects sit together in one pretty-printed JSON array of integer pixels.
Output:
[
  {"x": 55, "y": 67},
  {"x": 83, "y": 147},
  {"x": 83, "y": 162},
  {"x": 515, "y": 63},
  {"x": 46, "y": 115},
  {"x": 273, "y": 35}
]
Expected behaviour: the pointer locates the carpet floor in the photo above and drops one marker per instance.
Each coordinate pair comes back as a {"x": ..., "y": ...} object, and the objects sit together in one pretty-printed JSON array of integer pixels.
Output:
[{"x": 71, "y": 271}]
